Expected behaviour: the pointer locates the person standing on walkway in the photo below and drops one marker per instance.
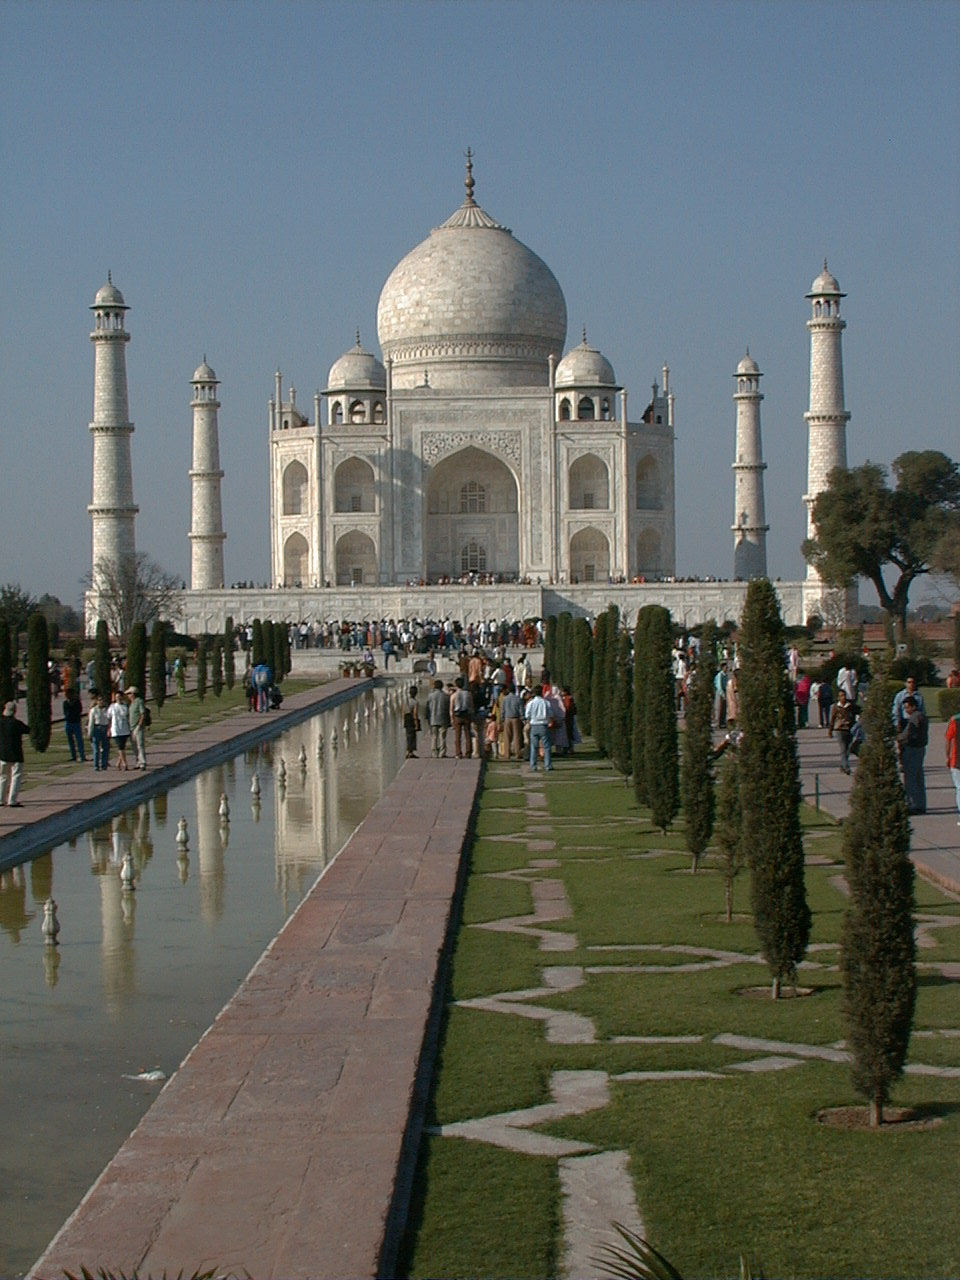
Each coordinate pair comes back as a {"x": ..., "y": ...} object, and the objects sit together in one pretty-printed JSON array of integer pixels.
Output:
[
  {"x": 411, "y": 721},
  {"x": 897, "y": 712},
  {"x": 912, "y": 740},
  {"x": 841, "y": 720},
  {"x": 461, "y": 711},
  {"x": 138, "y": 725},
  {"x": 118, "y": 718},
  {"x": 12, "y": 732},
  {"x": 511, "y": 717},
  {"x": 98, "y": 731},
  {"x": 438, "y": 718},
  {"x": 825, "y": 702},
  {"x": 847, "y": 681},
  {"x": 953, "y": 755},
  {"x": 801, "y": 696},
  {"x": 537, "y": 715},
  {"x": 73, "y": 723}
]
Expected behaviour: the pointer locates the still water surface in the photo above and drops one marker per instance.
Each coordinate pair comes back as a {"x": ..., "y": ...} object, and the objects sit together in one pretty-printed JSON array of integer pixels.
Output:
[{"x": 138, "y": 977}]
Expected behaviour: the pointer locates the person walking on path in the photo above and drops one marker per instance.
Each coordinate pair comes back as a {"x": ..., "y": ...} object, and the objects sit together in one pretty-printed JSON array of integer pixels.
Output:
[
  {"x": 847, "y": 681},
  {"x": 537, "y": 715},
  {"x": 912, "y": 740},
  {"x": 73, "y": 723},
  {"x": 952, "y": 740},
  {"x": 897, "y": 712},
  {"x": 411, "y": 721},
  {"x": 438, "y": 718},
  {"x": 98, "y": 731},
  {"x": 138, "y": 725},
  {"x": 12, "y": 731},
  {"x": 461, "y": 711},
  {"x": 801, "y": 696},
  {"x": 118, "y": 718},
  {"x": 825, "y": 702},
  {"x": 841, "y": 719}
]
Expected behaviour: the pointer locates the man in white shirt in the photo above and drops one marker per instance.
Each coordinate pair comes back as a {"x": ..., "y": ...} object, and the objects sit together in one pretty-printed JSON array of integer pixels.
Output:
[{"x": 537, "y": 715}]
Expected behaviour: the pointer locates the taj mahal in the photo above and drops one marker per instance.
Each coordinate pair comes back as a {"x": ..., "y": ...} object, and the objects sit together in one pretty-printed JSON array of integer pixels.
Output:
[{"x": 476, "y": 468}]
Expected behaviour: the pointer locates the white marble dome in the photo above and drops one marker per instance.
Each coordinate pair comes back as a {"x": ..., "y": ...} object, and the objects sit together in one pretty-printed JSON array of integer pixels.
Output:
[
  {"x": 204, "y": 373},
  {"x": 825, "y": 284},
  {"x": 108, "y": 295},
  {"x": 357, "y": 369},
  {"x": 585, "y": 366},
  {"x": 471, "y": 306},
  {"x": 748, "y": 365}
]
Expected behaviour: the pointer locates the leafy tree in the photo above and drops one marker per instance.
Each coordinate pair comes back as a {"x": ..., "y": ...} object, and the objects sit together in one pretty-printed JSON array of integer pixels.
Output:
[
  {"x": 133, "y": 589},
  {"x": 728, "y": 829},
  {"x": 550, "y": 646},
  {"x": 6, "y": 663},
  {"x": 158, "y": 663},
  {"x": 698, "y": 780},
  {"x": 598, "y": 695},
  {"x": 257, "y": 643},
  {"x": 621, "y": 729},
  {"x": 660, "y": 759},
  {"x": 878, "y": 951},
  {"x": 16, "y": 606},
  {"x": 864, "y": 527},
  {"x": 229, "y": 664},
  {"x": 202, "y": 656},
  {"x": 137, "y": 657},
  {"x": 216, "y": 666},
  {"x": 770, "y": 788},
  {"x": 582, "y": 671},
  {"x": 39, "y": 715},
  {"x": 101, "y": 660},
  {"x": 61, "y": 616}
]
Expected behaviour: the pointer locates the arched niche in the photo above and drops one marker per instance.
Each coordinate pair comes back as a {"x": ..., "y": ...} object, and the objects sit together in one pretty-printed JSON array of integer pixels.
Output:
[
  {"x": 565, "y": 409},
  {"x": 356, "y": 560},
  {"x": 586, "y": 409},
  {"x": 296, "y": 501},
  {"x": 589, "y": 556},
  {"x": 472, "y": 498},
  {"x": 649, "y": 493},
  {"x": 589, "y": 484},
  {"x": 649, "y": 553},
  {"x": 354, "y": 486},
  {"x": 296, "y": 561}
]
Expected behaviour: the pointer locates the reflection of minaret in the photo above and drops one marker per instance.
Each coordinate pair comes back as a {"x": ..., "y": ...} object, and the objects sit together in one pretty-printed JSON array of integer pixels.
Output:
[
  {"x": 206, "y": 532},
  {"x": 749, "y": 526},
  {"x": 112, "y": 509},
  {"x": 117, "y": 950},
  {"x": 208, "y": 787},
  {"x": 826, "y": 418}
]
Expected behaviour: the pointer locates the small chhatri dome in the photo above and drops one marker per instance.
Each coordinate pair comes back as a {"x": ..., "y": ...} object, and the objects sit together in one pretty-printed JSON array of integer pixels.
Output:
[
  {"x": 204, "y": 373},
  {"x": 825, "y": 285},
  {"x": 357, "y": 369},
  {"x": 108, "y": 295},
  {"x": 748, "y": 365},
  {"x": 585, "y": 366}
]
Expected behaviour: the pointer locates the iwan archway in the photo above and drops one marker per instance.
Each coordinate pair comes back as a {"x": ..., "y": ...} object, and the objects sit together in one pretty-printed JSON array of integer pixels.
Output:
[{"x": 471, "y": 523}]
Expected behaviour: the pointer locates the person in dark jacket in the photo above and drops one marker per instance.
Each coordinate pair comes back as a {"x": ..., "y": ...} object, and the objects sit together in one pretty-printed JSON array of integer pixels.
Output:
[
  {"x": 12, "y": 732},
  {"x": 912, "y": 740},
  {"x": 73, "y": 722}
]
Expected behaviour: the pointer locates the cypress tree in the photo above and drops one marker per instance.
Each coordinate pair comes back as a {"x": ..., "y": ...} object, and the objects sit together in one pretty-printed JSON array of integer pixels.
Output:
[
  {"x": 770, "y": 788},
  {"x": 202, "y": 646},
  {"x": 956, "y": 639},
  {"x": 6, "y": 663},
  {"x": 582, "y": 672},
  {"x": 698, "y": 779},
  {"x": 878, "y": 951},
  {"x": 279, "y": 663},
  {"x": 596, "y": 682},
  {"x": 728, "y": 830},
  {"x": 660, "y": 758},
  {"x": 257, "y": 643},
  {"x": 266, "y": 644},
  {"x": 621, "y": 732},
  {"x": 101, "y": 660},
  {"x": 229, "y": 664},
  {"x": 610, "y": 681},
  {"x": 38, "y": 681},
  {"x": 550, "y": 646},
  {"x": 640, "y": 663},
  {"x": 158, "y": 663},
  {"x": 137, "y": 658},
  {"x": 216, "y": 666}
]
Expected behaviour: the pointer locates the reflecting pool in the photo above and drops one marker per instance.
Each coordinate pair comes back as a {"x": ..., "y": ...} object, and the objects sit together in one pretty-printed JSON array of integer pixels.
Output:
[{"x": 139, "y": 975}]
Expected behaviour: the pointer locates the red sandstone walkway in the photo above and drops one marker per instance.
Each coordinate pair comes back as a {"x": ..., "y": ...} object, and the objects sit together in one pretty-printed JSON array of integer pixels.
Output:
[{"x": 285, "y": 1144}]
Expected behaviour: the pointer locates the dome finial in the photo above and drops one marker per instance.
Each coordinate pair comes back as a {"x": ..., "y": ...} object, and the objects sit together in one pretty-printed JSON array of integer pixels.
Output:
[
  {"x": 825, "y": 264},
  {"x": 584, "y": 335},
  {"x": 109, "y": 277},
  {"x": 468, "y": 180},
  {"x": 358, "y": 335}
]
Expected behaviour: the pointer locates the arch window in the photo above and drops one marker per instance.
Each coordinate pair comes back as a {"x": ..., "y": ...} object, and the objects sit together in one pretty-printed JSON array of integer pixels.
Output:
[
  {"x": 354, "y": 486},
  {"x": 589, "y": 556},
  {"x": 358, "y": 411},
  {"x": 564, "y": 410},
  {"x": 295, "y": 499},
  {"x": 589, "y": 484},
  {"x": 336, "y": 413},
  {"x": 379, "y": 414},
  {"x": 296, "y": 560},
  {"x": 586, "y": 410},
  {"x": 648, "y": 484},
  {"x": 473, "y": 558},
  {"x": 648, "y": 553},
  {"x": 356, "y": 558},
  {"x": 473, "y": 498},
  {"x": 605, "y": 412}
]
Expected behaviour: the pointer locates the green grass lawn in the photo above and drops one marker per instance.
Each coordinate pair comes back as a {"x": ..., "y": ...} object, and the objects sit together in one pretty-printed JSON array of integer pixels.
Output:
[{"x": 721, "y": 1167}]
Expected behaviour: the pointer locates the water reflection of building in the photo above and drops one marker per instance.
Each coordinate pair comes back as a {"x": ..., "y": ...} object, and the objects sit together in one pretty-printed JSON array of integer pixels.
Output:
[
  {"x": 207, "y": 789},
  {"x": 14, "y": 916}
]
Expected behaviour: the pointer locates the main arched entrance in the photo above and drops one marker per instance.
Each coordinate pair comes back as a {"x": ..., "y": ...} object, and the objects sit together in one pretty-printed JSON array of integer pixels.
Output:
[{"x": 471, "y": 523}]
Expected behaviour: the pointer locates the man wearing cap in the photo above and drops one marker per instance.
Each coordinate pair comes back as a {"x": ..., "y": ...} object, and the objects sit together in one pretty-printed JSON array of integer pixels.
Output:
[{"x": 12, "y": 733}]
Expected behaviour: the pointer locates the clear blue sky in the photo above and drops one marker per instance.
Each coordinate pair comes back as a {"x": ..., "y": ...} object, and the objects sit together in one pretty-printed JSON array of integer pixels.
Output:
[{"x": 251, "y": 173}]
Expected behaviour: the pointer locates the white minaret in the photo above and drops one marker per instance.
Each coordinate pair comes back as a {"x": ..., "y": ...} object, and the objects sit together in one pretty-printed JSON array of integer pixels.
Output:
[
  {"x": 826, "y": 418},
  {"x": 206, "y": 531},
  {"x": 749, "y": 527},
  {"x": 112, "y": 510}
]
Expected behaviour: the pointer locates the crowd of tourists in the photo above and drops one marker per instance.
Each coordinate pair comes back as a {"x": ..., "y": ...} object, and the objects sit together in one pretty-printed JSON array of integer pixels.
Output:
[{"x": 404, "y": 636}]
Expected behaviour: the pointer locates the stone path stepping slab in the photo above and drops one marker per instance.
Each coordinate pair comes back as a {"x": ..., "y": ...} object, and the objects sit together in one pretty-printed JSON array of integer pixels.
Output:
[{"x": 597, "y": 1191}]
